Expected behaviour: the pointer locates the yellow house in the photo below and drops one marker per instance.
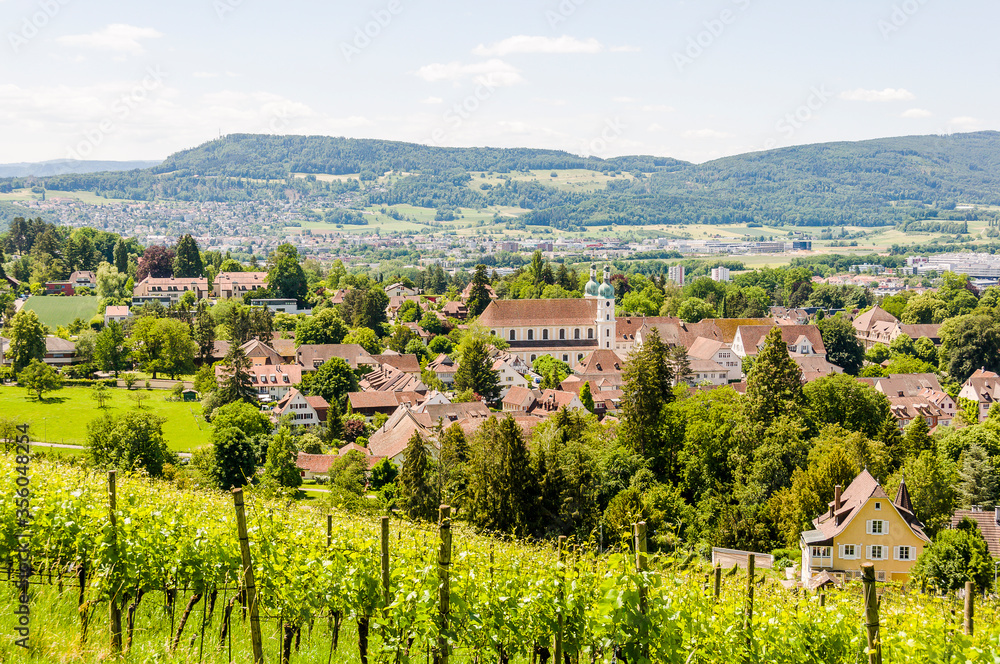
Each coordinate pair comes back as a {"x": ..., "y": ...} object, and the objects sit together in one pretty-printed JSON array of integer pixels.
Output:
[{"x": 863, "y": 525}]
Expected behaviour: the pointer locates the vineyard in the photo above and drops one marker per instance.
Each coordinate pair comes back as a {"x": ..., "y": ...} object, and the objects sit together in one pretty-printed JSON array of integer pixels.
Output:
[{"x": 345, "y": 589}]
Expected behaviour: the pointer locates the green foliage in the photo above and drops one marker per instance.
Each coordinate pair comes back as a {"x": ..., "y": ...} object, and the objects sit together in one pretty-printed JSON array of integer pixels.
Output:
[
  {"x": 843, "y": 347},
  {"x": 774, "y": 385},
  {"x": 956, "y": 556},
  {"x": 280, "y": 471},
  {"x": 233, "y": 456},
  {"x": 416, "y": 495},
  {"x": 479, "y": 296},
  {"x": 39, "y": 378},
  {"x": 365, "y": 338},
  {"x": 384, "y": 472},
  {"x": 162, "y": 345},
  {"x": 285, "y": 277},
  {"x": 475, "y": 369},
  {"x": 968, "y": 343},
  {"x": 843, "y": 400},
  {"x": 586, "y": 397},
  {"x": 931, "y": 485},
  {"x": 324, "y": 327},
  {"x": 502, "y": 486},
  {"x": 235, "y": 384},
  {"x": 647, "y": 391},
  {"x": 27, "y": 339},
  {"x": 694, "y": 309},
  {"x": 187, "y": 261},
  {"x": 132, "y": 440},
  {"x": 347, "y": 480}
]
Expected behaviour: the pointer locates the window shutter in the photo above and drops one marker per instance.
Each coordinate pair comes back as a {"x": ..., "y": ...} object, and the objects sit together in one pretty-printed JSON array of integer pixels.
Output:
[
  {"x": 841, "y": 549},
  {"x": 868, "y": 552},
  {"x": 895, "y": 552},
  {"x": 868, "y": 527}
]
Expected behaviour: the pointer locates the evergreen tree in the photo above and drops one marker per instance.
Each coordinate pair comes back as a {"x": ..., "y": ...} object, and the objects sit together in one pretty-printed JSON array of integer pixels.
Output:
[
  {"x": 917, "y": 437},
  {"x": 280, "y": 469},
  {"x": 479, "y": 296},
  {"x": 503, "y": 484},
  {"x": 892, "y": 439},
  {"x": 475, "y": 371},
  {"x": 774, "y": 385},
  {"x": 842, "y": 345},
  {"x": 417, "y": 495},
  {"x": 977, "y": 478},
  {"x": 121, "y": 256},
  {"x": 453, "y": 465},
  {"x": 236, "y": 384},
  {"x": 285, "y": 277},
  {"x": 187, "y": 259},
  {"x": 586, "y": 397},
  {"x": 204, "y": 332},
  {"x": 647, "y": 391}
]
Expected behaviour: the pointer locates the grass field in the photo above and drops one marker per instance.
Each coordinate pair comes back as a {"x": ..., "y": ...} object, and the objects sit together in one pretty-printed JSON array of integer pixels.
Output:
[
  {"x": 56, "y": 310},
  {"x": 63, "y": 416},
  {"x": 82, "y": 196}
]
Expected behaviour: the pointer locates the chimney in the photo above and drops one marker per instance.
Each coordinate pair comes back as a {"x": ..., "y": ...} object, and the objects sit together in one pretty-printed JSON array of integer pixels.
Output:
[{"x": 836, "y": 498}]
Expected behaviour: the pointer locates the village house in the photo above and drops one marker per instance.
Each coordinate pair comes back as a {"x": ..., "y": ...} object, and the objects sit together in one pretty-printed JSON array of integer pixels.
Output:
[
  {"x": 237, "y": 284},
  {"x": 168, "y": 288},
  {"x": 312, "y": 356},
  {"x": 116, "y": 313},
  {"x": 862, "y": 524},
  {"x": 983, "y": 387},
  {"x": 303, "y": 410}
]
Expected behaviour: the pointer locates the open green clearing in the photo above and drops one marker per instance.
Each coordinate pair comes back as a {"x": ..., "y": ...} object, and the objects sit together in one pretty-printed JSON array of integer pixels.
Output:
[
  {"x": 56, "y": 310},
  {"x": 82, "y": 196},
  {"x": 63, "y": 416}
]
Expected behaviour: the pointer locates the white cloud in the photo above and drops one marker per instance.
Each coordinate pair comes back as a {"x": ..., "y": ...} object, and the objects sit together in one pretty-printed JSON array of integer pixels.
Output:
[
  {"x": 888, "y": 94},
  {"x": 704, "y": 133},
  {"x": 432, "y": 100},
  {"x": 625, "y": 49},
  {"x": 965, "y": 123},
  {"x": 493, "y": 72},
  {"x": 118, "y": 37},
  {"x": 657, "y": 108},
  {"x": 916, "y": 113},
  {"x": 539, "y": 44},
  {"x": 656, "y": 126}
]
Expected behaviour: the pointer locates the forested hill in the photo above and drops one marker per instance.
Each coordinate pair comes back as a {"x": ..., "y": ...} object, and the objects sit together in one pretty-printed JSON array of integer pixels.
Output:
[
  {"x": 891, "y": 181},
  {"x": 265, "y": 156}
]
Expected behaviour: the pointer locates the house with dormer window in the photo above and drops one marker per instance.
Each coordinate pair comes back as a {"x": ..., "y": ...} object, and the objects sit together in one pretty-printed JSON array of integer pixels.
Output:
[{"x": 864, "y": 525}]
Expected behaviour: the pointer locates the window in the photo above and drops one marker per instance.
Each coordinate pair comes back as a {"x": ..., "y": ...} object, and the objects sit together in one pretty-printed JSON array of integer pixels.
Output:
[
  {"x": 576, "y": 333},
  {"x": 562, "y": 334},
  {"x": 877, "y": 527},
  {"x": 607, "y": 333},
  {"x": 545, "y": 335},
  {"x": 608, "y": 317},
  {"x": 590, "y": 333},
  {"x": 822, "y": 551},
  {"x": 876, "y": 552},
  {"x": 878, "y": 506},
  {"x": 565, "y": 358},
  {"x": 880, "y": 575},
  {"x": 533, "y": 358},
  {"x": 531, "y": 335},
  {"x": 903, "y": 553},
  {"x": 513, "y": 335},
  {"x": 848, "y": 551}
]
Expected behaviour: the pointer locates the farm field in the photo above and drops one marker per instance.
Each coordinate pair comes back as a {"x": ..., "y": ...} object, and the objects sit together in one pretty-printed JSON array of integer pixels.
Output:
[
  {"x": 63, "y": 416},
  {"x": 82, "y": 196},
  {"x": 56, "y": 310}
]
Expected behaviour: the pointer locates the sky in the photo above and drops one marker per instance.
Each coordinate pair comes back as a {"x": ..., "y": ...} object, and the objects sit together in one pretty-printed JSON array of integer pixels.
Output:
[{"x": 692, "y": 80}]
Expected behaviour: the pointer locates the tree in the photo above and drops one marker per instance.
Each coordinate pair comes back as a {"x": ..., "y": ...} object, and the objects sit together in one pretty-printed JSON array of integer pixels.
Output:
[
  {"x": 285, "y": 277},
  {"x": 977, "y": 478},
  {"x": 502, "y": 483},
  {"x": 479, "y": 295},
  {"x": 234, "y": 457},
  {"x": 647, "y": 390},
  {"x": 112, "y": 284},
  {"x": 243, "y": 416},
  {"x": 417, "y": 496},
  {"x": 162, "y": 344},
  {"x": 931, "y": 486},
  {"x": 856, "y": 406},
  {"x": 236, "y": 384},
  {"x": 586, "y": 397},
  {"x": 27, "y": 339},
  {"x": 917, "y": 436},
  {"x": 204, "y": 333},
  {"x": 475, "y": 371},
  {"x": 130, "y": 441},
  {"x": 280, "y": 469},
  {"x": 694, "y": 309},
  {"x": 187, "y": 261},
  {"x": 325, "y": 327},
  {"x": 333, "y": 381},
  {"x": 365, "y": 338},
  {"x": 157, "y": 262},
  {"x": 110, "y": 351},
  {"x": 121, "y": 256},
  {"x": 842, "y": 345},
  {"x": 968, "y": 343},
  {"x": 956, "y": 556},
  {"x": 347, "y": 479},
  {"x": 100, "y": 394},
  {"x": 39, "y": 378},
  {"x": 384, "y": 472},
  {"x": 774, "y": 385}
]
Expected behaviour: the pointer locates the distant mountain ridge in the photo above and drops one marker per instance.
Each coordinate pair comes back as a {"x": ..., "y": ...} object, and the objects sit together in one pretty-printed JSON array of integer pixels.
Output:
[
  {"x": 64, "y": 166},
  {"x": 879, "y": 182}
]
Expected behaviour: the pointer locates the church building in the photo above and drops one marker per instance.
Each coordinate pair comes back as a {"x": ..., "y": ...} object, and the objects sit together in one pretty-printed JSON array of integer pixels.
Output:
[{"x": 566, "y": 329}]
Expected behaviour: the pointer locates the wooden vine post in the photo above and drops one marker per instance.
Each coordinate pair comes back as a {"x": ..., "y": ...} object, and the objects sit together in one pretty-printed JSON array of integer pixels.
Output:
[
  {"x": 871, "y": 614},
  {"x": 969, "y": 604},
  {"x": 718, "y": 581},
  {"x": 444, "y": 565},
  {"x": 385, "y": 561},
  {"x": 115, "y": 611},
  {"x": 329, "y": 530},
  {"x": 748, "y": 615},
  {"x": 640, "y": 567},
  {"x": 558, "y": 645},
  {"x": 248, "y": 580}
]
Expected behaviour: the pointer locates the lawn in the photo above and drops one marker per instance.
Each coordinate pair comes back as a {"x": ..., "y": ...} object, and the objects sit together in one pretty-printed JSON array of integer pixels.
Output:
[
  {"x": 56, "y": 310},
  {"x": 63, "y": 416}
]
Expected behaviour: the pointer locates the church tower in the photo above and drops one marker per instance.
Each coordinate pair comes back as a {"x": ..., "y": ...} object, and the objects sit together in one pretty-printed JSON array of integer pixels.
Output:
[{"x": 605, "y": 319}]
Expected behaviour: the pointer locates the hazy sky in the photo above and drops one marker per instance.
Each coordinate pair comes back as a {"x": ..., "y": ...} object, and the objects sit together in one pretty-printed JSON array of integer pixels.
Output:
[{"x": 694, "y": 80}]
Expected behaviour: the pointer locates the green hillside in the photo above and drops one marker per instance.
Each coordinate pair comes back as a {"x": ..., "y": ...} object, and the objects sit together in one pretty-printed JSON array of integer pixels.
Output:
[
  {"x": 55, "y": 310},
  {"x": 882, "y": 182}
]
